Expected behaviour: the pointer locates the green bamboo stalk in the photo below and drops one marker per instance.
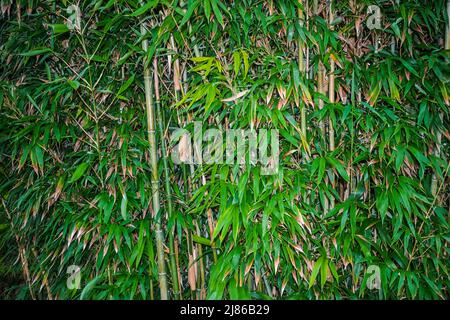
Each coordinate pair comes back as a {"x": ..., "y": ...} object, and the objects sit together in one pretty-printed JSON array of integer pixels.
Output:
[
  {"x": 154, "y": 166},
  {"x": 198, "y": 262},
  {"x": 179, "y": 90},
  {"x": 302, "y": 69},
  {"x": 211, "y": 231},
  {"x": 320, "y": 77},
  {"x": 331, "y": 97},
  {"x": 437, "y": 148},
  {"x": 447, "y": 32},
  {"x": 331, "y": 92},
  {"x": 321, "y": 88},
  {"x": 173, "y": 266}
]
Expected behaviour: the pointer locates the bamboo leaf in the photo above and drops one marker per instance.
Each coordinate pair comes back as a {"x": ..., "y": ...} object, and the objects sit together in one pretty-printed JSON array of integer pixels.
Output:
[{"x": 79, "y": 171}]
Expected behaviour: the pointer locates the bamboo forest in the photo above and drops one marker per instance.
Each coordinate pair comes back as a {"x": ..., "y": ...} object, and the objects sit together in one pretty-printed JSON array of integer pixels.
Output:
[{"x": 224, "y": 150}]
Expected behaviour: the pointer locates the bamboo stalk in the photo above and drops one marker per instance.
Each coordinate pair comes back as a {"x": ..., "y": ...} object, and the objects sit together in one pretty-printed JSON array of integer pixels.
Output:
[
  {"x": 331, "y": 92},
  {"x": 437, "y": 148},
  {"x": 179, "y": 89},
  {"x": 320, "y": 77},
  {"x": 154, "y": 177},
  {"x": 321, "y": 88},
  {"x": 202, "y": 279},
  {"x": 302, "y": 69},
  {"x": 150, "y": 275},
  {"x": 211, "y": 231},
  {"x": 447, "y": 32},
  {"x": 331, "y": 97},
  {"x": 177, "y": 260},
  {"x": 173, "y": 267},
  {"x": 198, "y": 263}
]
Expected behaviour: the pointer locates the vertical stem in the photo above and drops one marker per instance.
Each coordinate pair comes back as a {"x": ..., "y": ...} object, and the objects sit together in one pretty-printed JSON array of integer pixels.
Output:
[
  {"x": 173, "y": 267},
  {"x": 447, "y": 32},
  {"x": 321, "y": 88},
  {"x": 331, "y": 97},
  {"x": 320, "y": 76},
  {"x": 180, "y": 90},
  {"x": 154, "y": 166},
  {"x": 211, "y": 231},
  {"x": 302, "y": 69},
  {"x": 331, "y": 92},
  {"x": 437, "y": 148},
  {"x": 198, "y": 264}
]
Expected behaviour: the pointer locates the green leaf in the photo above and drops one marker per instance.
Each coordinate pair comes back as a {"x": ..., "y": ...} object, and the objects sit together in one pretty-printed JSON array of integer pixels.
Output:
[
  {"x": 125, "y": 86},
  {"x": 90, "y": 286},
  {"x": 36, "y": 52},
  {"x": 339, "y": 167},
  {"x": 236, "y": 62},
  {"x": 73, "y": 83},
  {"x": 315, "y": 272},
  {"x": 123, "y": 206},
  {"x": 191, "y": 6},
  {"x": 201, "y": 240},
  {"x": 322, "y": 164},
  {"x": 217, "y": 12},
  {"x": 149, "y": 5},
  {"x": 246, "y": 63},
  {"x": 59, "y": 28},
  {"x": 207, "y": 8},
  {"x": 79, "y": 172},
  {"x": 323, "y": 272}
]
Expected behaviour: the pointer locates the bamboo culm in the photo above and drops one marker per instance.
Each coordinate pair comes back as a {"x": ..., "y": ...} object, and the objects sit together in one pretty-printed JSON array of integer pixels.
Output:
[
  {"x": 159, "y": 234},
  {"x": 173, "y": 266}
]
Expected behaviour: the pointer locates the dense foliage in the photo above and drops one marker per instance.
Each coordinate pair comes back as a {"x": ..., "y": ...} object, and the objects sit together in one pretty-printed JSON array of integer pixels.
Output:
[{"x": 362, "y": 114}]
